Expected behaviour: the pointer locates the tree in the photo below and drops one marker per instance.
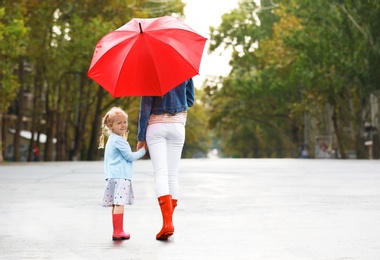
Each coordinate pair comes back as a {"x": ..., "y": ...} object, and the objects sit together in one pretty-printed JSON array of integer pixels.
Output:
[
  {"x": 198, "y": 140},
  {"x": 242, "y": 109},
  {"x": 12, "y": 47},
  {"x": 67, "y": 106},
  {"x": 304, "y": 57}
]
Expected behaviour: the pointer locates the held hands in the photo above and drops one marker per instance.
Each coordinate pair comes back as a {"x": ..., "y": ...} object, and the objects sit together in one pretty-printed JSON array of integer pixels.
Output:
[{"x": 141, "y": 144}]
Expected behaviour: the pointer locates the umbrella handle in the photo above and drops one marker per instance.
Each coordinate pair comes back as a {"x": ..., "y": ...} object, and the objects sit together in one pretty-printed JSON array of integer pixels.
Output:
[{"x": 141, "y": 31}]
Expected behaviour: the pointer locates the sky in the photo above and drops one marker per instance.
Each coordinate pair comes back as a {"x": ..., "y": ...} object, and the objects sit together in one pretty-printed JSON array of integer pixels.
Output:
[{"x": 200, "y": 15}]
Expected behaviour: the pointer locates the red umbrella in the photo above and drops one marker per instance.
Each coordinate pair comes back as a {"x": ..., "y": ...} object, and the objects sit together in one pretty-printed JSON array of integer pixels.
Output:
[{"x": 147, "y": 57}]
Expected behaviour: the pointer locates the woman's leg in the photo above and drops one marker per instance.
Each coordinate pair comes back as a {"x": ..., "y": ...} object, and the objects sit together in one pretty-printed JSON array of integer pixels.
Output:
[
  {"x": 175, "y": 141},
  {"x": 157, "y": 143},
  {"x": 165, "y": 147},
  {"x": 165, "y": 141}
]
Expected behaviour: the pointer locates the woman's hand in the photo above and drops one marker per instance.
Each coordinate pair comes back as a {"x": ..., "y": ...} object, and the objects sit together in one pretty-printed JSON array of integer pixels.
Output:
[{"x": 141, "y": 144}]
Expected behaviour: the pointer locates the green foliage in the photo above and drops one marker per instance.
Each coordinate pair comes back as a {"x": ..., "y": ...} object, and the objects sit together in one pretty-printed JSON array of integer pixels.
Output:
[
  {"x": 298, "y": 66},
  {"x": 56, "y": 40},
  {"x": 303, "y": 58},
  {"x": 12, "y": 39},
  {"x": 198, "y": 139}
]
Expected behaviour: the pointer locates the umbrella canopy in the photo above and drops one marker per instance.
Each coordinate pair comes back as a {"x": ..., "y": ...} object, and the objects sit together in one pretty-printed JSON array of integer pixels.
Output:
[{"x": 147, "y": 57}]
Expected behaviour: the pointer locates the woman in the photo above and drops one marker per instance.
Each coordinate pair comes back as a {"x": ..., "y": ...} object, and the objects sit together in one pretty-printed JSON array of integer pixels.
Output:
[{"x": 162, "y": 123}]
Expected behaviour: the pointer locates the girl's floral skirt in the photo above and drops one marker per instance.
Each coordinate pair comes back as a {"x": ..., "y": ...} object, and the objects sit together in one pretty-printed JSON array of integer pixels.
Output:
[{"x": 118, "y": 192}]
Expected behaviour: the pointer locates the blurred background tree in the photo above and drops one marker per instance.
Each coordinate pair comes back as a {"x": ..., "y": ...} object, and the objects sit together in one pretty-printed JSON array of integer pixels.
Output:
[
  {"x": 302, "y": 71},
  {"x": 46, "y": 49}
]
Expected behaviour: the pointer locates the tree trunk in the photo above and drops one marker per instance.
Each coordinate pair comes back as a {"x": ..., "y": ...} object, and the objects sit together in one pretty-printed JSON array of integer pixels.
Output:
[
  {"x": 51, "y": 131},
  {"x": 61, "y": 137},
  {"x": 36, "y": 113},
  {"x": 32, "y": 141},
  {"x": 337, "y": 133},
  {"x": 62, "y": 119},
  {"x": 20, "y": 113},
  {"x": 78, "y": 135},
  {"x": 92, "y": 149}
]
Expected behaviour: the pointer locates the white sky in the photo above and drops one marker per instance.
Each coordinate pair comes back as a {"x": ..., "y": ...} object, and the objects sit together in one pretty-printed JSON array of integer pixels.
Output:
[{"x": 200, "y": 15}]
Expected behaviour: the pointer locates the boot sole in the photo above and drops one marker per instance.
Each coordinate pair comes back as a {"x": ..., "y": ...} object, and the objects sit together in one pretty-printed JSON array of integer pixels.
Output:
[
  {"x": 165, "y": 236},
  {"x": 120, "y": 238}
]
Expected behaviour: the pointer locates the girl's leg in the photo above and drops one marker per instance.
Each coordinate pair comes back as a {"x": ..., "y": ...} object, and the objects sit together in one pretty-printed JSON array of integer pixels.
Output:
[
  {"x": 118, "y": 221},
  {"x": 118, "y": 209}
]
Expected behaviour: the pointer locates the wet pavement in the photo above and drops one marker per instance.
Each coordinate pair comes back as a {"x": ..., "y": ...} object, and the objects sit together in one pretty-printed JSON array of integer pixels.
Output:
[{"x": 229, "y": 209}]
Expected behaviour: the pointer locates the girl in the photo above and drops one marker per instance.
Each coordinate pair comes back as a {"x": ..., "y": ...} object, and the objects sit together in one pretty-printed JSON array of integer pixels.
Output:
[{"x": 118, "y": 158}]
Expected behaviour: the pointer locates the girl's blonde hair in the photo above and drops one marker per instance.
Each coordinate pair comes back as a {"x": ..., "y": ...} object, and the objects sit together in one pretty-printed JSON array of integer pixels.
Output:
[{"x": 107, "y": 121}]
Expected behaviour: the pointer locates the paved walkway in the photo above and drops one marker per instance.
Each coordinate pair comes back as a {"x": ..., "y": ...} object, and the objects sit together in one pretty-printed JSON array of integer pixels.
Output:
[{"x": 229, "y": 209}]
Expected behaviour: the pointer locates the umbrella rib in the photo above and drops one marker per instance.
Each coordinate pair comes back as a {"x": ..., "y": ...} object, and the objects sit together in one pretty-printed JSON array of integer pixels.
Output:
[
  {"x": 123, "y": 64},
  {"x": 179, "y": 54},
  {"x": 165, "y": 30},
  {"x": 113, "y": 47}
]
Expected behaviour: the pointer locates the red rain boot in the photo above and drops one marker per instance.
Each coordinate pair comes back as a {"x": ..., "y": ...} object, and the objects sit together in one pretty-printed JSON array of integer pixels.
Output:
[
  {"x": 167, "y": 212},
  {"x": 118, "y": 232},
  {"x": 174, "y": 203}
]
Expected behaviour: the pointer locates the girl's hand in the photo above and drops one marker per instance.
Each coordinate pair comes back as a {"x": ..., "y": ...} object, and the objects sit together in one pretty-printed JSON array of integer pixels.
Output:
[{"x": 141, "y": 144}]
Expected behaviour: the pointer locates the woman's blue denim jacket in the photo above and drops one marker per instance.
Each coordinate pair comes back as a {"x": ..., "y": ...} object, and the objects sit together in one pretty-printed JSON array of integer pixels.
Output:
[{"x": 176, "y": 100}]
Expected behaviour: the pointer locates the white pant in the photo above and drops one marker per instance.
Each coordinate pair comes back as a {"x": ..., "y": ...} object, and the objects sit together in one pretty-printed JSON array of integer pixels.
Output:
[{"x": 165, "y": 143}]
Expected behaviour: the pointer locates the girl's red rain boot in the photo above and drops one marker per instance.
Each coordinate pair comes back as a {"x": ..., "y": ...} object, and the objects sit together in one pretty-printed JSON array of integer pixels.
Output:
[
  {"x": 118, "y": 232},
  {"x": 167, "y": 212}
]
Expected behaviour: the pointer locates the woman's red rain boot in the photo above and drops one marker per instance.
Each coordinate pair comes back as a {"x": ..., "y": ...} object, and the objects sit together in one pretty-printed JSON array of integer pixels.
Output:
[
  {"x": 174, "y": 203},
  {"x": 167, "y": 212},
  {"x": 118, "y": 232}
]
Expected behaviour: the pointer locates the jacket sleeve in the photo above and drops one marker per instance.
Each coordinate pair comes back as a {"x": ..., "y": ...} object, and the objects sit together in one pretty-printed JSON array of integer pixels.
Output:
[
  {"x": 125, "y": 150},
  {"x": 190, "y": 92},
  {"x": 146, "y": 104}
]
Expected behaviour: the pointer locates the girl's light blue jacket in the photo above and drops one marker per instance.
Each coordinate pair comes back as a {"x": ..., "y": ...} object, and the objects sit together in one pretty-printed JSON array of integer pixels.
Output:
[{"x": 118, "y": 157}]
